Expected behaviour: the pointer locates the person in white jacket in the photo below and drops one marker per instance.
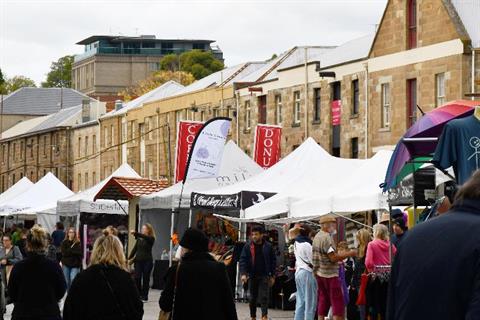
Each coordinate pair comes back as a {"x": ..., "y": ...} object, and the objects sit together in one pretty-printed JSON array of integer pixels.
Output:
[{"x": 306, "y": 297}]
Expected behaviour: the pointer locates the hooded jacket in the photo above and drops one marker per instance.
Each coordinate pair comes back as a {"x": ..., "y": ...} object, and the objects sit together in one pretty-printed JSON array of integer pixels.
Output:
[
  {"x": 247, "y": 259},
  {"x": 378, "y": 254}
]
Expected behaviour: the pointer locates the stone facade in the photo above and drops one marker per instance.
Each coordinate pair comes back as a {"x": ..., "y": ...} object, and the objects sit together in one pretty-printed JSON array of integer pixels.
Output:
[
  {"x": 86, "y": 160},
  {"x": 10, "y": 120},
  {"x": 34, "y": 156}
]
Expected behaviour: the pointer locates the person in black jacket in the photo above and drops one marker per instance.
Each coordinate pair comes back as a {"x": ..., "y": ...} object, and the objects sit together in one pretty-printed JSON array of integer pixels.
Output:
[
  {"x": 105, "y": 290},
  {"x": 71, "y": 256},
  {"x": 435, "y": 274},
  {"x": 141, "y": 255},
  {"x": 198, "y": 288},
  {"x": 257, "y": 266},
  {"x": 36, "y": 284}
]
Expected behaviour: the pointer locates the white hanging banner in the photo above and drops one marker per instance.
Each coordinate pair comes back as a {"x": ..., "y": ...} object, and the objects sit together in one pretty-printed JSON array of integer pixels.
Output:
[{"x": 207, "y": 151}]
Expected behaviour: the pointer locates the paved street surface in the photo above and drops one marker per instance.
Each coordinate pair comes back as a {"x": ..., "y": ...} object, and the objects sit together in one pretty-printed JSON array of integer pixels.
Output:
[{"x": 151, "y": 310}]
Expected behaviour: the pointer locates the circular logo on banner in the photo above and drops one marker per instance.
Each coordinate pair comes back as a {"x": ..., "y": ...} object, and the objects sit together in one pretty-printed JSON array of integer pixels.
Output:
[
  {"x": 202, "y": 153},
  {"x": 224, "y": 128}
]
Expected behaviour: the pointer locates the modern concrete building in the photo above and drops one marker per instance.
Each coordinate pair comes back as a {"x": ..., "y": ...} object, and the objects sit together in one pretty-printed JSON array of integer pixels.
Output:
[{"x": 110, "y": 64}]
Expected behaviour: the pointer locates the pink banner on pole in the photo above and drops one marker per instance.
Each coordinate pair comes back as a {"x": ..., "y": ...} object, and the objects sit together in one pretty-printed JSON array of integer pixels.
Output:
[
  {"x": 267, "y": 145},
  {"x": 336, "y": 112}
]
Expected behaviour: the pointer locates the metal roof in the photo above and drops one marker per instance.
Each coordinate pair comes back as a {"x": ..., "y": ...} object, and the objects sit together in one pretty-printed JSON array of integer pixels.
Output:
[
  {"x": 23, "y": 127},
  {"x": 469, "y": 13},
  {"x": 58, "y": 119},
  {"x": 95, "y": 38},
  {"x": 41, "y": 101},
  {"x": 166, "y": 90},
  {"x": 350, "y": 51}
]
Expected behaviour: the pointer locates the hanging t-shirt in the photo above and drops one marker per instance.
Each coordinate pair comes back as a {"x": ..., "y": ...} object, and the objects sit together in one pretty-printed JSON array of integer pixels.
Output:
[{"x": 459, "y": 147}]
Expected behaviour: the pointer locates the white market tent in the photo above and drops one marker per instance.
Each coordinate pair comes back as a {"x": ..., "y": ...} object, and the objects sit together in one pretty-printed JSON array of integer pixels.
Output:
[
  {"x": 288, "y": 173},
  {"x": 360, "y": 192},
  {"x": 14, "y": 191},
  {"x": 40, "y": 200},
  {"x": 83, "y": 200},
  {"x": 157, "y": 207},
  {"x": 236, "y": 166},
  {"x": 316, "y": 177}
]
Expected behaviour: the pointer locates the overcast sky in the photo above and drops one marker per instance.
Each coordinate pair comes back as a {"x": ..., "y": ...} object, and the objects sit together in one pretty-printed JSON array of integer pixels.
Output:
[{"x": 33, "y": 33}]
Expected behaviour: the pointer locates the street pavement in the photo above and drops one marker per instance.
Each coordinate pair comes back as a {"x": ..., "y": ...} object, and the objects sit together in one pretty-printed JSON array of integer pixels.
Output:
[{"x": 151, "y": 310}]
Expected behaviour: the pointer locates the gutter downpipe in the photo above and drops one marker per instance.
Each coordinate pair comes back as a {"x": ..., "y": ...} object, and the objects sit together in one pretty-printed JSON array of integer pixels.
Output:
[{"x": 366, "y": 109}]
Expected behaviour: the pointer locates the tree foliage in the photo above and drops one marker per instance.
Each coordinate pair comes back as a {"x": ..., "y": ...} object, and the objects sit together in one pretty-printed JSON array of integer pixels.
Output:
[
  {"x": 154, "y": 81},
  {"x": 2, "y": 79},
  {"x": 197, "y": 62},
  {"x": 15, "y": 83},
  {"x": 60, "y": 74}
]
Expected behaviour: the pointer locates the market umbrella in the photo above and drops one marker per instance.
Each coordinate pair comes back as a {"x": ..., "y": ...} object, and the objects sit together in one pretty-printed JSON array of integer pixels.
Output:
[{"x": 428, "y": 126}]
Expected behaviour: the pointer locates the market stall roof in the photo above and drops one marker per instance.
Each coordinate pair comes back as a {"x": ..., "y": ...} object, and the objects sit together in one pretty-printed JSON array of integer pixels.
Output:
[
  {"x": 360, "y": 192},
  {"x": 236, "y": 166},
  {"x": 83, "y": 201},
  {"x": 288, "y": 172},
  {"x": 18, "y": 188},
  {"x": 125, "y": 188},
  {"x": 42, "y": 196},
  {"x": 314, "y": 180}
]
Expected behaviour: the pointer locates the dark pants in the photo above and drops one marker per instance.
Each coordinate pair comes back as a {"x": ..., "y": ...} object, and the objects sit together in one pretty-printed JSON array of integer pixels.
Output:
[
  {"x": 258, "y": 287},
  {"x": 143, "y": 269}
]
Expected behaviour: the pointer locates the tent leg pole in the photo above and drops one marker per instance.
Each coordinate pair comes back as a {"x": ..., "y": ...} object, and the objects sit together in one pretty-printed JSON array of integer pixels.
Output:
[
  {"x": 172, "y": 222},
  {"x": 190, "y": 218}
]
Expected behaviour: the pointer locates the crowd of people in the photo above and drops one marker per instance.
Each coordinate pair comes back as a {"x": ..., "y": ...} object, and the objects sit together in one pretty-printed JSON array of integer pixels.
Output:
[{"x": 432, "y": 276}]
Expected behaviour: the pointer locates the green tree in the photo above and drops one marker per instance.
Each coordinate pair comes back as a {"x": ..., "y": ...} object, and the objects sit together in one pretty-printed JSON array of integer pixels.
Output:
[
  {"x": 17, "y": 82},
  {"x": 197, "y": 62},
  {"x": 2, "y": 82},
  {"x": 170, "y": 62},
  {"x": 60, "y": 74}
]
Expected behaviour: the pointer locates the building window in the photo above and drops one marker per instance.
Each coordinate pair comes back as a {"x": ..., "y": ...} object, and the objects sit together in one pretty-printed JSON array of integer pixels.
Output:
[
  {"x": 21, "y": 149},
  {"x": 79, "y": 182},
  {"x": 86, "y": 180},
  {"x": 94, "y": 177},
  {"x": 13, "y": 179},
  {"x": 278, "y": 110},
  {"x": 86, "y": 145},
  {"x": 112, "y": 135},
  {"x": 296, "y": 107},
  {"x": 150, "y": 128},
  {"x": 94, "y": 144},
  {"x": 440, "y": 85},
  {"x": 178, "y": 116},
  {"x": 215, "y": 112},
  {"x": 316, "y": 105},
  {"x": 4, "y": 153},
  {"x": 79, "y": 146},
  {"x": 385, "y": 105},
  {"x": 412, "y": 24},
  {"x": 154, "y": 66},
  {"x": 150, "y": 169},
  {"x": 202, "y": 116},
  {"x": 105, "y": 137},
  {"x": 133, "y": 130},
  {"x": 354, "y": 147},
  {"x": 248, "y": 116},
  {"x": 14, "y": 151},
  {"x": 411, "y": 102},
  {"x": 355, "y": 97}
]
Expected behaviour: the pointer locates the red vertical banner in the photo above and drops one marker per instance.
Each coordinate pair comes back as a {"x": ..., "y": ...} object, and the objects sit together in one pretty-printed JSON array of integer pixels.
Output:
[
  {"x": 267, "y": 145},
  {"x": 336, "y": 112},
  {"x": 186, "y": 133}
]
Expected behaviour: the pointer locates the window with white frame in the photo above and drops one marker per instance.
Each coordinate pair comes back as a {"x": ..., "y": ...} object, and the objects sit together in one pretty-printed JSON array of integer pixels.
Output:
[
  {"x": 202, "y": 115},
  {"x": 386, "y": 105},
  {"x": 278, "y": 110},
  {"x": 440, "y": 84},
  {"x": 248, "y": 116},
  {"x": 178, "y": 116},
  {"x": 296, "y": 107},
  {"x": 112, "y": 135}
]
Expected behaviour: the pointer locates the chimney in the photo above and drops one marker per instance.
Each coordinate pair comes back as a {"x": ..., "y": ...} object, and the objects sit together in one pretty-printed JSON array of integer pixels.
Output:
[
  {"x": 85, "y": 110},
  {"x": 118, "y": 105}
]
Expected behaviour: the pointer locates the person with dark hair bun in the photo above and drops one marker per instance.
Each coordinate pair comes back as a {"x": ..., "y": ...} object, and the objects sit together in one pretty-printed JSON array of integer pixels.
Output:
[
  {"x": 36, "y": 283},
  {"x": 257, "y": 267}
]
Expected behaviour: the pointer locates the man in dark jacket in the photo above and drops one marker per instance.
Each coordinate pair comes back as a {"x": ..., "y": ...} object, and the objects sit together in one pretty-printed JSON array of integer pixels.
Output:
[
  {"x": 435, "y": 274},
  {"x": 257, "y": 266},
  {"x": 199, "y": 287}
]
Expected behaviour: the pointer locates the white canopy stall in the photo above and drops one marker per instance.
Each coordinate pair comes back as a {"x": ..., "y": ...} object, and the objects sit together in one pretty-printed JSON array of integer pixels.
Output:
[
  {"x": 17, "y": 189},
  {"x": 40, "y": 200},
  {"x": 360, "y": 192},
  {"x": 157, "y": 207},
  {"x": 83, "y": 200}
]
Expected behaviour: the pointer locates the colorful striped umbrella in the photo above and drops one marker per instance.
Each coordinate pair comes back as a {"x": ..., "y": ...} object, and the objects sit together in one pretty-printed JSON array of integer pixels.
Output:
[{"x": 429, "y": 126}]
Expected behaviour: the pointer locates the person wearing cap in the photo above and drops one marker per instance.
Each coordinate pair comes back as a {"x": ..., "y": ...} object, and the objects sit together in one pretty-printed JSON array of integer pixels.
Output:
[
  {"x": 400, "y": 230},
  {"x": 326, "y": 269},
  {"x": 198, "y": 288},
  {"x": 257, "y": 267}
]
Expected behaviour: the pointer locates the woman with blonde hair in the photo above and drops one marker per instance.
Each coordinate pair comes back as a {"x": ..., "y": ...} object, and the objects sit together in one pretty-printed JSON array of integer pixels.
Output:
[
  {"x": 71, "y": 256},
  {"x": 377, "y": 262},
  {"x": 36, "y": 283},
  {"x": 141, "y": 255},
  {"x": 105, "y": 290}
]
